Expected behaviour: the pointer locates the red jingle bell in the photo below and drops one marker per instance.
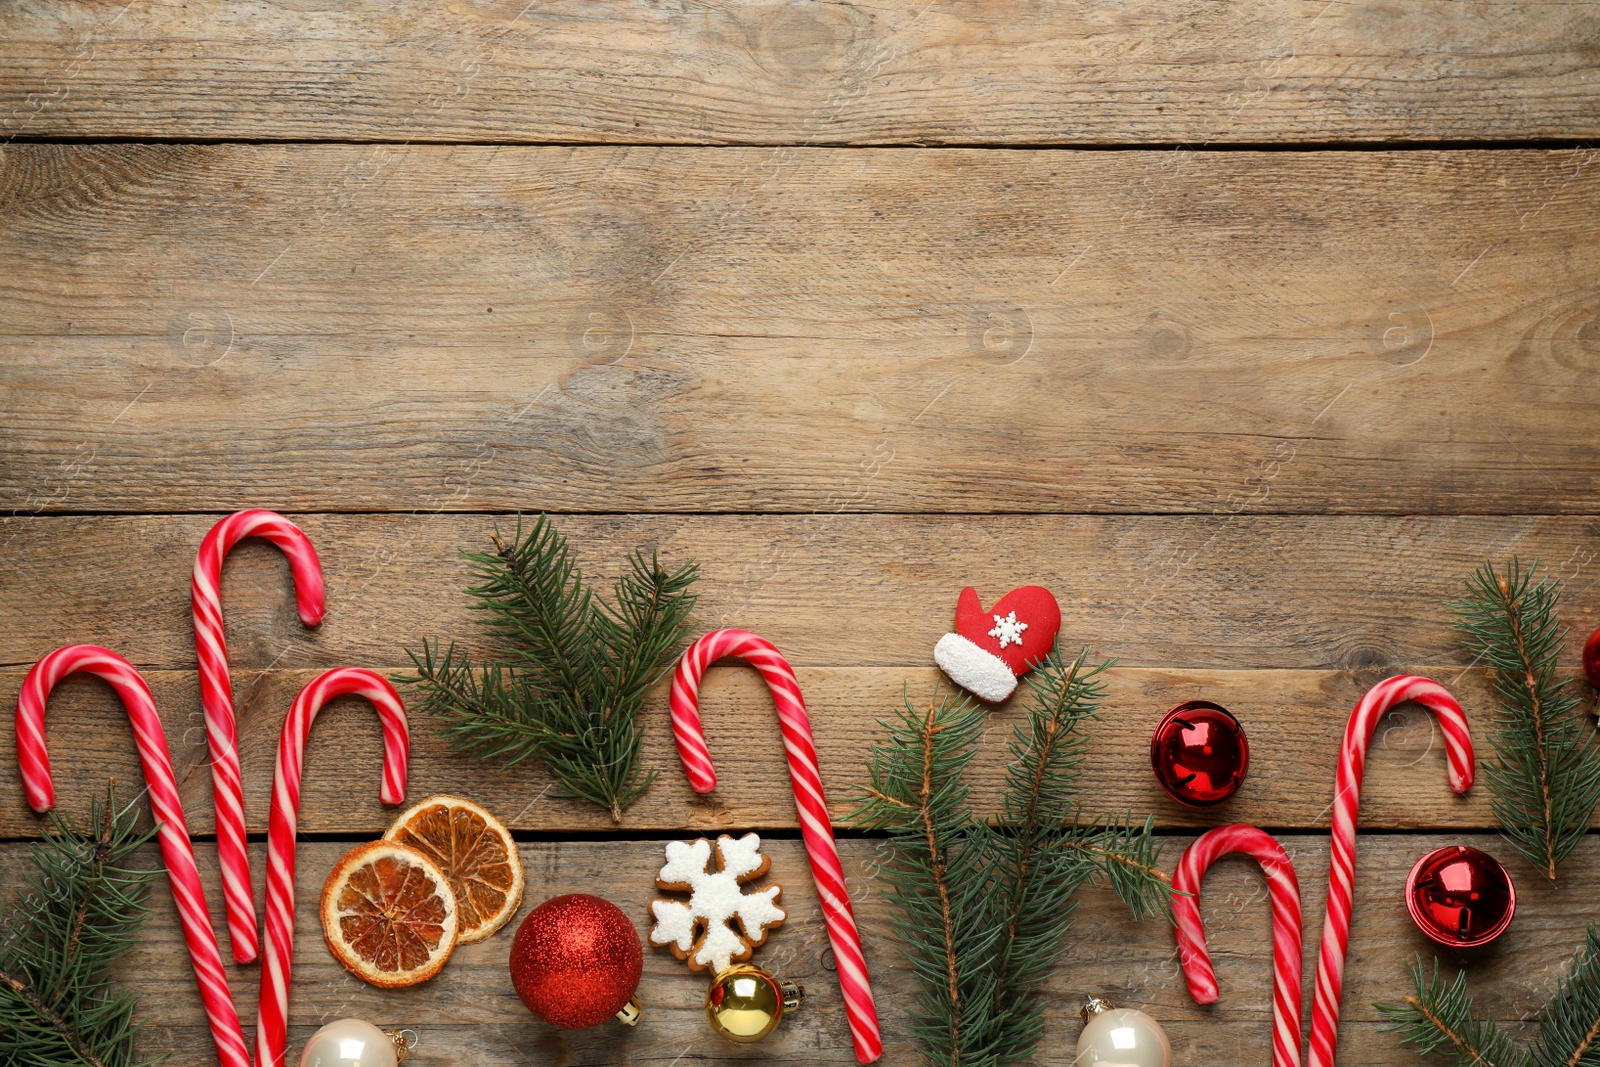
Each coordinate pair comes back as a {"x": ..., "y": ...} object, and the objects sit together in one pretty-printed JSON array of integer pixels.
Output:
[
  {"x": 1460, "y": 897},
  {"x": 1199, "y": 753},
  {"x": 576, "y": 961},
  {"x": 1591, "y": 659}
]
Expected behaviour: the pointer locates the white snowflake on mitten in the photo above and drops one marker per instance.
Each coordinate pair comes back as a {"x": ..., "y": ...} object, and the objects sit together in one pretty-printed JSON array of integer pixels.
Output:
[
  {"x": 1008, "y": 630},
  {"x": 701, "y": 931}
]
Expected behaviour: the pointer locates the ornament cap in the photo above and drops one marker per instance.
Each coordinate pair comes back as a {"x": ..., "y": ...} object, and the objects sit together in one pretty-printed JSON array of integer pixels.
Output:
[
  {"x": 405, "y": 1040},
  {"x": 1092, "y": 1006},
  {"x": 629, "y": 1013}
]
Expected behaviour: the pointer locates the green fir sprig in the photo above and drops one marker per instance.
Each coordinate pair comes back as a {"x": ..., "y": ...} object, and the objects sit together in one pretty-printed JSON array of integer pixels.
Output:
[
  {"x": 79, "y": 913},
  {"x": 1439, "y": 1019},
  {"x": 573, "y": 672},
  {"x": 982, "y": 910},
  {"x": 1545, "y": 779}
]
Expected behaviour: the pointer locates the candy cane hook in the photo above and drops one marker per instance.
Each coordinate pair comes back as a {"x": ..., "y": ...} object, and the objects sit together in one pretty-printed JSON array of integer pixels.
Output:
[
  {"x": 809, "y": 801},
  {"x": 216, "y": 696},
  {"x": 173, "y": 833},
  {"x": 272, "y": 1033},
  {"x": 1284, "y": 889},
  {"x": 1346, "y": 806}
]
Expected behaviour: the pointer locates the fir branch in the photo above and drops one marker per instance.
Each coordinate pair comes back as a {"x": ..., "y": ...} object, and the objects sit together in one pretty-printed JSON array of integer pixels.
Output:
[
  {"x": 539, "y": 604},
  {"x": 1036, "y": 878},
  {"x": 80, "y": 913},
  {"x": 574, "y": 672},
  {"x": 937, "y": 877},
  {"x": 983, "y": 911},
  {"x": 1439, "y": 1020},
  {"x": 1545, "y": 780},
  {"x": 1569, "y": 1024}
]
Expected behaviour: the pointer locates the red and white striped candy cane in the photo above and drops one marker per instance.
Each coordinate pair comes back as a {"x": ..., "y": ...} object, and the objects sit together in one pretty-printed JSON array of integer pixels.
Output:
[
  {"x": 1284, "y": 889},
  {"x": 176, "y": 849},
  {"x": 1346, "y": 806},
  {"x": 815, "y": 826},
  {"x": 216, "y": 695},
  {"x": 272, "y": 1031}
]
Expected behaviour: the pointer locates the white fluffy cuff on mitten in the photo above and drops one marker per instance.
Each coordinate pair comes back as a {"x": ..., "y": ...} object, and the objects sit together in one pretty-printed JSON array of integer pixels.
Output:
[{"x": 981, "y": 673}]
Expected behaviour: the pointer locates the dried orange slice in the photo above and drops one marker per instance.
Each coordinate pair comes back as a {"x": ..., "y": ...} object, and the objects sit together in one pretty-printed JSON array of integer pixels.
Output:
[
  {"x": 389, "y": 915},
  {"x": 476, "y": 854}
]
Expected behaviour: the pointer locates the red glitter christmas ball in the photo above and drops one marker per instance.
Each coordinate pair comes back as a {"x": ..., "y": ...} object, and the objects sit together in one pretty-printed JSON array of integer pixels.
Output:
[
  {"x": 1199, "y": 753},
  {"x": 576, "y": 961},
  {"x": 1460, "y": 897},
  {"x": 1591, "y": 659}
]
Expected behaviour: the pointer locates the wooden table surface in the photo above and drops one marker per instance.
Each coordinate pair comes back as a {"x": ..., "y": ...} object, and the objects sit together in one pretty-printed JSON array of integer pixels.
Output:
[{"x": 1248, "y": 329}]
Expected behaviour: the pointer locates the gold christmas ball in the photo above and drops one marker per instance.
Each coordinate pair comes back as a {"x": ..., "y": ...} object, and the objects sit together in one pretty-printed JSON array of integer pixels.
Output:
[{"x": 746, "y": 1003}]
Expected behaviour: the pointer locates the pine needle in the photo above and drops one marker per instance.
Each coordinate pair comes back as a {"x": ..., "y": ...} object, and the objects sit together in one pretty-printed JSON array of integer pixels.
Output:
[
  {"x": 80, "y": 913},
  {"x": 573, "y": 671},
  {"x": 1545, "y": 780}
]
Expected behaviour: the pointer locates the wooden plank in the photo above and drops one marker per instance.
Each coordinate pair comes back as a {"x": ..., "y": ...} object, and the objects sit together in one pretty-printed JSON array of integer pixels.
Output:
[
  {"x": 876, "y": 71},
  {"x": 1294, "y": 719},
  {"x": 471, "y": 1008},
  {"x": 1326, "y": 592},
  {"x": 424, "y": 329}
]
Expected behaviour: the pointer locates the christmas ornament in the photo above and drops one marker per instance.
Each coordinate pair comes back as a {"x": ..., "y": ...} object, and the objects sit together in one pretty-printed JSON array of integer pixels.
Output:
[
  {"x": 701, "y": 931},
  {"x": 1346, "y": 806},
  {"x": 1460, "y": 897},
  {"x": 809, "y": 800},
  {"x": 1591, "y": 659},
  {"x": 216, "y": 695},
  {"x": 745, "y": 1003},
  {"x": 1284, "y": 888},
  {"x": 177, "y": 853},
  {"x": 477, "y": 855},
  {"x": 1199, "y": 753},
  {"x": 354, "y": 1043},
  {"x": 576, "y": 960},
  {"x": 991, "y": 649},
  {"x": 1120, "y": 1037}
]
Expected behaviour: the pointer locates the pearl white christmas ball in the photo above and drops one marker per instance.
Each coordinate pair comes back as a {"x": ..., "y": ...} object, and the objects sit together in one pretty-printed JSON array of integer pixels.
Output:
[
  {"x": 1123, "y": 1037},
  {"x": 349, "y": 1043}
]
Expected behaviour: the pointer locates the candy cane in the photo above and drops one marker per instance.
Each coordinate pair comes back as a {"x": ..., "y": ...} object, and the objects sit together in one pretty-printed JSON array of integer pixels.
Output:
[
  {"x": 176, "y": 849},
  {"x": 1346, "y": 806},
  {"x": 272, "y": 1033},
  {"x": 216, "y": 696},
  {"x": 809, "y": 801},
  {"x": 1284, "y": 888}
]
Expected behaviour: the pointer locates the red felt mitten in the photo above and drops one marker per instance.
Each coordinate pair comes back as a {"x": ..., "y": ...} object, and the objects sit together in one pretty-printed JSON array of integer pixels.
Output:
[{"x": 991, "y": 649}]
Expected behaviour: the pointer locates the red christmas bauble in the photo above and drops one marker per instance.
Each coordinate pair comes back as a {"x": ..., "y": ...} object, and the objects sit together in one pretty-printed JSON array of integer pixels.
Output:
[
  {"x": 1591, "y": 659},
  {"x": 576, "y": 961},
  {"x": 1199, "y": 753},
  {"x": 1460, "y": 897}
]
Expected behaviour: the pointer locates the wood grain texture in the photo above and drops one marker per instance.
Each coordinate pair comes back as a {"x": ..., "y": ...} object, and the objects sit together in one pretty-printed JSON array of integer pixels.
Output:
[
  {"x": 1244, "y": 592},
  {"x": 876, "y": 71},
  {"x": 470, "y": 1012},
  {"x": 1295, "y": 720},
  {"x": 425, "y": 329}
]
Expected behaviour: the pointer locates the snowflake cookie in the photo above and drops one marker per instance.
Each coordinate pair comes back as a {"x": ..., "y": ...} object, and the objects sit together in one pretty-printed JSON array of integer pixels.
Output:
[{"x": 701, "y": 931}]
